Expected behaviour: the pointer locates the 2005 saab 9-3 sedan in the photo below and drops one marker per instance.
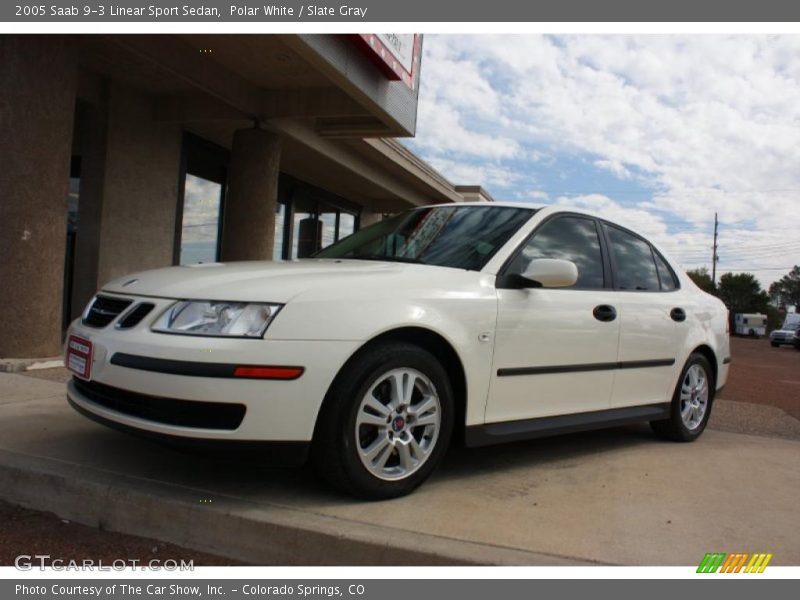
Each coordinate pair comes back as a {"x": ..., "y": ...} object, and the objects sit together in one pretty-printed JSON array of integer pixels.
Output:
[{"x": 490, "y": 322}]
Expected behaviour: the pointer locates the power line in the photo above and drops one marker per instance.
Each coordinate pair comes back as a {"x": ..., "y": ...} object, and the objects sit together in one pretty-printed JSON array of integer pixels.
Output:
[{"x": 787, "y": 269}]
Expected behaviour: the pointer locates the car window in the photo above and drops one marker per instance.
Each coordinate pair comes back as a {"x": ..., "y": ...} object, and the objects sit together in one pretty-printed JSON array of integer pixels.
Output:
[
  {"x": 636, "y": 269},
  {"x": 462, "y": 237},
  {"x": 665, "y": 274},
  {"x": 568, "y": 238}
]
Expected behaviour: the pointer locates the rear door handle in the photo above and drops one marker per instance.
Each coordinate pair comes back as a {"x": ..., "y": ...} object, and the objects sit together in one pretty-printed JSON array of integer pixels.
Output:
[
  {"x": 605, "y": 313},
  {"x": 678, "y": 314}
]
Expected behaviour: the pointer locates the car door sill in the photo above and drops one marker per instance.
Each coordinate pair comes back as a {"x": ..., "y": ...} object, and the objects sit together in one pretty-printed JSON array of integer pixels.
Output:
[{"x": 526, "y": 429}]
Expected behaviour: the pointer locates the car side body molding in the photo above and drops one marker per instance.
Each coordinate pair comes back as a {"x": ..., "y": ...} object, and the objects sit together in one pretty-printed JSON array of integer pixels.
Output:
[
  {"x": 609, "y": 366},
  {"x": 205, "y": 369}
]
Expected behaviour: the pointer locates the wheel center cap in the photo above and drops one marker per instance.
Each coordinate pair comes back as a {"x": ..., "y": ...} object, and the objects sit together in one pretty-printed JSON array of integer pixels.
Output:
[{"x": 398, "y": 424}]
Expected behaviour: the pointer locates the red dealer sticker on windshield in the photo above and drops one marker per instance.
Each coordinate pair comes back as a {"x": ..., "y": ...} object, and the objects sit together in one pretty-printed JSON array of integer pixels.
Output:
[{"x": 79, "y": 356}]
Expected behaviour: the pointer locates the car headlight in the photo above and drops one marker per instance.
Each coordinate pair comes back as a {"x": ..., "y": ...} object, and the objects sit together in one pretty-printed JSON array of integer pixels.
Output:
[{"x": 213, "y": 318}]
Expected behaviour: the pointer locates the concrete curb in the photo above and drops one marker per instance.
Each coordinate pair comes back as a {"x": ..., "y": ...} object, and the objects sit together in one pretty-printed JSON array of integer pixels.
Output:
[
  {"x": 258, "y": 533},
  {"x": 18, "y": 365}
]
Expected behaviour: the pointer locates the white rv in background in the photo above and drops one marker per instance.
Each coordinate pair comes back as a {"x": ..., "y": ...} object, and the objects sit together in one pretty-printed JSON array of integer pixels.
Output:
[{"x": 752, "y": 324}]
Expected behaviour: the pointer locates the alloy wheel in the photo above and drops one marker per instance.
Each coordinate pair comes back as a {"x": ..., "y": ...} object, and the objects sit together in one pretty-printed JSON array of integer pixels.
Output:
[
  {"x": 398, "y": 424},
  {"x": 694, "y": 396}
]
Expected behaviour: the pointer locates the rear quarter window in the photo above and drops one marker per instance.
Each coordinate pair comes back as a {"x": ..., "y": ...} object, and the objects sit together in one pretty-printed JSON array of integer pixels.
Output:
[{"x": 633, "y": 256}]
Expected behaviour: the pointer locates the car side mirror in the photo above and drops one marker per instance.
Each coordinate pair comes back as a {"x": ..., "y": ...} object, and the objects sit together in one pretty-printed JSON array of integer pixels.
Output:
[{"x": 551, "y": 272}]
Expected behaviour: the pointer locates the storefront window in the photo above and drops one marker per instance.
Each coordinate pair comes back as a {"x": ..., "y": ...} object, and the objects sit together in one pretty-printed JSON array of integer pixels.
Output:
[
  {"x": 347, "y": 225},
  {"x": 202, "y": 201},
  {"x": 327, "y": 219},
  {"x": 280, "y": 223},
  {"x": 200, "y": 227}
]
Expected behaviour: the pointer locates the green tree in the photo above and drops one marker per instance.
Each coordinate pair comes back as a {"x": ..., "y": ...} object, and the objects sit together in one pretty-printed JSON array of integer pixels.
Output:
[
  {"x": 786, "y": 291},
  {"x": 742, "y": 293},
  {"x": 702, "y": 279}
]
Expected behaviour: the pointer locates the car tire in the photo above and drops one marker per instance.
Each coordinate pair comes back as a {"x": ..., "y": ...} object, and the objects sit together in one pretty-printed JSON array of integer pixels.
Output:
[
  {"x": 350, "y": 424},
  {"x": 693, "y": 392},
  {"x": 774, "y": 344}
]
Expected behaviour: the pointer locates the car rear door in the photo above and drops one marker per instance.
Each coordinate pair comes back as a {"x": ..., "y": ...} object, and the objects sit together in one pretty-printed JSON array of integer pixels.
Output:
[
  {"x": 555, "y": 349},
  {"x": 654, "y": 322}
]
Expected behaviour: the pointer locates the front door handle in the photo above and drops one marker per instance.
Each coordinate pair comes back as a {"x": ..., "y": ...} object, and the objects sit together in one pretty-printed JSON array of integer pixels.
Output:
[
  {"x": 678, "y": 314},
  {"x": 605, "y": 313}
]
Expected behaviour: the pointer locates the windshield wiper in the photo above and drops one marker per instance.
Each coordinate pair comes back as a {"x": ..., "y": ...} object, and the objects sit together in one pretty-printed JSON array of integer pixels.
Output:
[{"x": 403, "y": 259}]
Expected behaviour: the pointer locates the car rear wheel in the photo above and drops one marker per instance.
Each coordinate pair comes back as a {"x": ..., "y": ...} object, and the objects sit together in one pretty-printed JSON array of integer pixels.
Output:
[
  {"x": 691, "y": 403},
  {"x": 386, "y": 422}
]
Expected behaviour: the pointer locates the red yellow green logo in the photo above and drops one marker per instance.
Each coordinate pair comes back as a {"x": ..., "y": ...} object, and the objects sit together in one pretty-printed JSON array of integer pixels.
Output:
[{"x": 738, "y": 562}]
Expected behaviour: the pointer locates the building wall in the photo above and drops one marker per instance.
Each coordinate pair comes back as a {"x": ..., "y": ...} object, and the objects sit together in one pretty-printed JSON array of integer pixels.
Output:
[{"x": 143, "y": 157}]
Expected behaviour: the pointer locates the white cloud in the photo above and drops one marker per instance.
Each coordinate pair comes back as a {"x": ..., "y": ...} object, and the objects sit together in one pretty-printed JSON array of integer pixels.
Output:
[
  {"x": 441, "y": 130},
  {"x": 616, "y": 167},
  {"x": 764, "y": 253},
  {"x": 709, "y": 123},
  {"x": 488, "y": 175},
  {"x": 536, "y": 195}
]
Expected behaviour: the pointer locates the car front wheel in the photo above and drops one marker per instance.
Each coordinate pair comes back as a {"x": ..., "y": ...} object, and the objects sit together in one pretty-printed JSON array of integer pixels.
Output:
[
  {"x": 691, "y": 403},
  {"x": 386, "y": 422}
]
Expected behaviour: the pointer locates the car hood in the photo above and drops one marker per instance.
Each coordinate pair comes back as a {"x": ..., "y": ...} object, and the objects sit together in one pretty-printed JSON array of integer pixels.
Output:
[{"x": 258, "y": 280}]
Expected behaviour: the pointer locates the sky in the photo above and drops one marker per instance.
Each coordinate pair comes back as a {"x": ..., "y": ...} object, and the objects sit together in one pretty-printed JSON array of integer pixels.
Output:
[{"x": 655, "y": 132}]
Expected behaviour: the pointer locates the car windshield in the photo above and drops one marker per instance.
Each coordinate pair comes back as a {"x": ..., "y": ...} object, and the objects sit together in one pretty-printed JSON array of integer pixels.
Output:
[{"x": 463, "y": 237}]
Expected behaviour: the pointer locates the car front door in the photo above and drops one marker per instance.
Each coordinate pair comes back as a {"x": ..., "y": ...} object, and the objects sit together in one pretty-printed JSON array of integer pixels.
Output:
[
  {"x": 555, "y": 349},
  {"x": 654, "y": 321}
]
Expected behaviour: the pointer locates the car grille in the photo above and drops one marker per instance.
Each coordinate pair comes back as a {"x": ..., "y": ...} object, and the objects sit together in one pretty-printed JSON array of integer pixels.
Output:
[
  {"x": 169, "y": 411},
  {"x": 135, "y": 316},
  {"x": 105, "y": 309}
]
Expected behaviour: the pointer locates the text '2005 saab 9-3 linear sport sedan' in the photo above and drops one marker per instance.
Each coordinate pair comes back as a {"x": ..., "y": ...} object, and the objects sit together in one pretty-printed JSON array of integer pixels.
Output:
[{"x": 495, "y": 322}]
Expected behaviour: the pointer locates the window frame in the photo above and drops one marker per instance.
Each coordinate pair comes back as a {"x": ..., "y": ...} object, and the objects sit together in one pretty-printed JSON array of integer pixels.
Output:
[
  {"x": 501, "y": 279},
  {"x": 675, "y": 280}
]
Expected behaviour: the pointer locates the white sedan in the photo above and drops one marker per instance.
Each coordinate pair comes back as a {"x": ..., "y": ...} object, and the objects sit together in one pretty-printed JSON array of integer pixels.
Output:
[{"x": 493, "y": 322}]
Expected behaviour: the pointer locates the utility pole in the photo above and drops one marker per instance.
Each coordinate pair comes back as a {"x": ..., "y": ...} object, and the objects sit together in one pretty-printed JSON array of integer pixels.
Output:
[{"x": 714, "y": 257}]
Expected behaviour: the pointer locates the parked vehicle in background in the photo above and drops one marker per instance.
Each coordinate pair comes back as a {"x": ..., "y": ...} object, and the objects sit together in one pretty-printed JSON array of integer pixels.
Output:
[
  {"x": 752, "y": 324},
  {"x": 797, "y": 339},
  {"x": 792, "y": 318},
  {"x": 496, "y": 322},
  {"x": 784, "y": 335}
]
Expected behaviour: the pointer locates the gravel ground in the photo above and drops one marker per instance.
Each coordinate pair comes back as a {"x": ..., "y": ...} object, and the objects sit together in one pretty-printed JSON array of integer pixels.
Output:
[
  {"x": 30, "y": 532},
  {"x": 761, "y": 374}
]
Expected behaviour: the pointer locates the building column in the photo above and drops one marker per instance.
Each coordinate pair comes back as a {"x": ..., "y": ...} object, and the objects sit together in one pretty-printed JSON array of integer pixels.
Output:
[
  {"x": 37, "y": 84},
  {"x": 368, "y": 217},
  {"x": 139, "y": 187},
  {"x": 249, "y": 221}
]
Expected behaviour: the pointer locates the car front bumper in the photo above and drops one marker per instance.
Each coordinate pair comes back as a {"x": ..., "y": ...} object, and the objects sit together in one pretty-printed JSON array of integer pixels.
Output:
[{"x": 273, "y": 410}]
